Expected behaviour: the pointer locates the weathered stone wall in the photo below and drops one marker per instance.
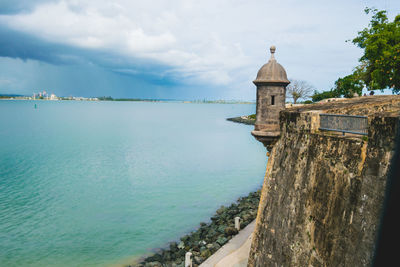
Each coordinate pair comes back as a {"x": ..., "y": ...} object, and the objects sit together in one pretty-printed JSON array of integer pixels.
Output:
[
  {"x": 322, "y": 194},
  {"x": 268, "y": 114}
]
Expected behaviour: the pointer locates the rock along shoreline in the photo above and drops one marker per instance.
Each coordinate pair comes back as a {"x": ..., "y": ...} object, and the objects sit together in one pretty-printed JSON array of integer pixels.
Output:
[
  {"x": 243, "y": 119},
  {"x": 208, "y": 238}
]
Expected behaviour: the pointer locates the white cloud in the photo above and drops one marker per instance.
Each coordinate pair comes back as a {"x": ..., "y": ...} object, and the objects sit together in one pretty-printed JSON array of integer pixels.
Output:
[
  {"x": 176, "y": 35},
  {"x": 218, "y": 41}
]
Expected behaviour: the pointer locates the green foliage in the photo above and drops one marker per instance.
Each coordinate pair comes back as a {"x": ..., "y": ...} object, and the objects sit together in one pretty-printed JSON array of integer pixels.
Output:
[
  {"x": 307, "y": 102},
  {"x": 318, "y": 96},
  {"x": 380, "y": 64},
  {"x": 105, "y": 98},
  {"x": 252, "y": 116},
  {"x": 349, "y": 85},
  {"x": 345, "y": 87}
]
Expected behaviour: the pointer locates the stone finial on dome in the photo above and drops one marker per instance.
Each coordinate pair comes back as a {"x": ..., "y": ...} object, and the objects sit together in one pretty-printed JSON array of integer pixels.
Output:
[
  {"x": 272, "y": 50},
  {"x": 272, "y": 71}
]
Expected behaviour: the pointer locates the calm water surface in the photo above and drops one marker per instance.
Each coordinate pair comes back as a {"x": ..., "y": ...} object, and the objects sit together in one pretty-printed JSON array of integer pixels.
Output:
[{"x": 99, "y": 183}]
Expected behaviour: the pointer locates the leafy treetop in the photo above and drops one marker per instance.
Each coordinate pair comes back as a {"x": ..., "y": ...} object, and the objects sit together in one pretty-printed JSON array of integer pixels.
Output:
[{"x": 380, "y": 64}]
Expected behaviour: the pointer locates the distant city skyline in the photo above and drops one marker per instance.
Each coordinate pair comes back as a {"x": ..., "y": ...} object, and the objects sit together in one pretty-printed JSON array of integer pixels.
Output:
[{"x": 175, "y": 49}]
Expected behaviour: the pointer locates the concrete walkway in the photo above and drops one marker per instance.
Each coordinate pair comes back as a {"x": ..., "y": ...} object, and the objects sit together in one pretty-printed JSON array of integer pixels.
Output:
[{"x": 235, "y": 253}]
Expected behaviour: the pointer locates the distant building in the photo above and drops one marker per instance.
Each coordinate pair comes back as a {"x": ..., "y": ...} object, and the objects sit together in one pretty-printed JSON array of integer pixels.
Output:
[{"x": 53, "y": 97}]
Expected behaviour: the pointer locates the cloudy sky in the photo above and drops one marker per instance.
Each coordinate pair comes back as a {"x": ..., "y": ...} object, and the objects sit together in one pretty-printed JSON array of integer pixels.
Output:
[{"x": 175, "y": 49}]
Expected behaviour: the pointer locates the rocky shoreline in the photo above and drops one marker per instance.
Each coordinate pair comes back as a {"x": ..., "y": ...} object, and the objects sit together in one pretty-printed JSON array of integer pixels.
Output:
[
  {"x": 249, "y": 120},
  {"x": 209, "y": 237}
]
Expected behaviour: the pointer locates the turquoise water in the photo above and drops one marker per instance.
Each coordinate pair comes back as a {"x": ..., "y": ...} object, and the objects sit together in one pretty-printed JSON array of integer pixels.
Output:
[{"x": 100, "y": 183}]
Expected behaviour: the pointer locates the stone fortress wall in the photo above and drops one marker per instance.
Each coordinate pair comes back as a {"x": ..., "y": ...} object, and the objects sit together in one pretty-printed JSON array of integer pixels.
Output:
[{"x": 323, "y": 193}]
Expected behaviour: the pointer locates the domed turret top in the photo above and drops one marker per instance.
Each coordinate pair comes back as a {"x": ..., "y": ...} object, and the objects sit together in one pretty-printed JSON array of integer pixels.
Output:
[{"x": 272, "y": 71}]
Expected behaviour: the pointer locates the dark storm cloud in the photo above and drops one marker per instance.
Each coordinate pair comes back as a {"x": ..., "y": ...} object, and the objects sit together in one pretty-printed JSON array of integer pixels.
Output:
[
  {"x": 18, "y": 45},
  {"x": 20, "y": 6},
  {"x": 14, "y": 44}
]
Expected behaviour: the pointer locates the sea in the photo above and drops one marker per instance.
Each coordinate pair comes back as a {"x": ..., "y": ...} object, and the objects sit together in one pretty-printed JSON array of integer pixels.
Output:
[{"x": 102, "y": 183}]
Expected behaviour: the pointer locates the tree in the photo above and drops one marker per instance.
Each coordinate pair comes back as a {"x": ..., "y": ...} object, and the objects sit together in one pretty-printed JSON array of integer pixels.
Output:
[
  {"x": 380, "y": 64},
  {"x": 298, "y": 89},
  {"x": 318, "y": 96},
  {"x": 349, "y": 85}
]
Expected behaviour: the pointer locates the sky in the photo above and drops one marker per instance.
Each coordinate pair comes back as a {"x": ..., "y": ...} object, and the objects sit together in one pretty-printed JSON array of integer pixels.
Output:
[{"x": 175, "y": 49}]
